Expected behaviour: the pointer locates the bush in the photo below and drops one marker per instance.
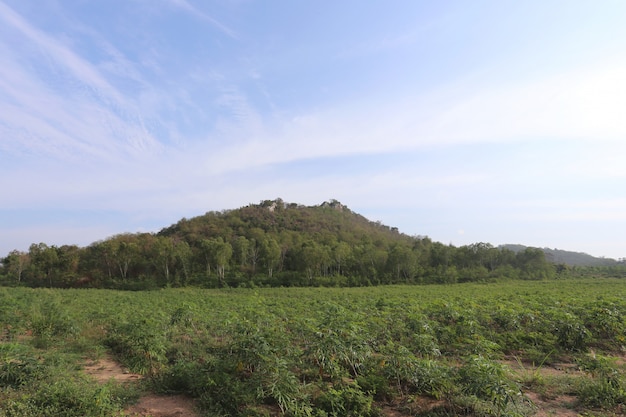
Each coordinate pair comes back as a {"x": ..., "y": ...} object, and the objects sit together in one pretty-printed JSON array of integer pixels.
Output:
[
  {"x": 571, "y": 333},
  {"x": 68, "y": 397},
  {"x": 139, "y": 344},
  {"x": 487, "y": 381},
  {"x": 606, "y": 389},
  {"x": 345, "y": 401},
  {"x": 18, "y": 366}
]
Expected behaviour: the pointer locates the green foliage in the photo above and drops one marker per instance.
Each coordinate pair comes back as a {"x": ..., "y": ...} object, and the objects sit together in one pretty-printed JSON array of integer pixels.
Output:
[
  {"x": 345, "y": 401},
  {"x": 18, "y": 366},
  {"x": 487, "y": 381},
  {"x": 51, "y": 319},
  {"x": 414, "y": 375},
  {"x": 571, "y": 333},
  {"x": 271, "y": 244},
  {"x": 313, "y": 351},
  {"x": 607, "y": 389},
  {"x": 36, "y": 383},
  {"x": 140, "y": 344},
  {"x": 68, "y": 397}
]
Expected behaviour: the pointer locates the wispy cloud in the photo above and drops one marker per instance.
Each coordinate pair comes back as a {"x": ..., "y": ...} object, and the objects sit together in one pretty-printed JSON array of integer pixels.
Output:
[
  {"x": 82, "y": 113},
  {"x": 585, "y": 106},
  {"x": 185, "y": 6},
  {"x": 62, "y": 56}
]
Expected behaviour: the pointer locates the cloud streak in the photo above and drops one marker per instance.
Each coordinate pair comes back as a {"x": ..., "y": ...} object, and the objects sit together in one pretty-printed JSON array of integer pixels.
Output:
[
  {"x": 83, "y": 115},
  {"x": 185, "y": 6},
  {"x": 583, "y": 106}
]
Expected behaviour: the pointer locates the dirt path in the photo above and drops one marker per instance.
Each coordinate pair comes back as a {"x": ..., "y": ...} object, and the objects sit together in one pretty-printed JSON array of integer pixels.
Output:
[
  {"x": 106, "y": 369},
  {"x": 559, "y": 406},
  {"x": 160, "y": 406}
]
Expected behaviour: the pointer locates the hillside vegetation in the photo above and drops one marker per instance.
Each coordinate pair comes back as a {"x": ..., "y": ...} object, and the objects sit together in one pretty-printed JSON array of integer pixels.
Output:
[
  {"x": 569, "y": 258},
  {"x": 273, "y": 244}
]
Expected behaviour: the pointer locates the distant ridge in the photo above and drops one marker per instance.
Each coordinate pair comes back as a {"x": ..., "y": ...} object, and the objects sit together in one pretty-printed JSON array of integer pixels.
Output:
[{"x": 559, "y": 256}]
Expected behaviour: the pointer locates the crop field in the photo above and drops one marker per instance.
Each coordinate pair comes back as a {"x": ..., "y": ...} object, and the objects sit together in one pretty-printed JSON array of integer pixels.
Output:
[{"x": 519, "y": 348}]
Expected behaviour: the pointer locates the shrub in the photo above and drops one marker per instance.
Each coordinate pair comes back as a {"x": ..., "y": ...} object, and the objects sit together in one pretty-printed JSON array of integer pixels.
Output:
[
  {"x": 571, "y": 333},
  {"x": 487, "y": 381},
  {"x": 606, "y": 389},
  {"x": 140, "y": 345},
  {"x": 345, "y": 401}
]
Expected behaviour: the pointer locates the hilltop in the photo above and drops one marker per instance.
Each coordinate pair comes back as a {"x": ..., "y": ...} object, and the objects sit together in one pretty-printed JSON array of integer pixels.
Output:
[{"x": 329, "y": 222}]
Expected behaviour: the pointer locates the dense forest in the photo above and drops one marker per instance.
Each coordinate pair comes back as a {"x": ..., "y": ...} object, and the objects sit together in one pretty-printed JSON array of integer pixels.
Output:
[{"x": 275, "y": 244}]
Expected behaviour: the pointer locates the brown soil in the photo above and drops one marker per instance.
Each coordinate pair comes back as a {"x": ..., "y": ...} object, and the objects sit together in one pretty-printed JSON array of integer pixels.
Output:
[
  {"x": 416, "y": 406},
  {"x": 560, "y": 406},
  {"x": 159, "y": 406},
  {"x": 106, "y": 369}
]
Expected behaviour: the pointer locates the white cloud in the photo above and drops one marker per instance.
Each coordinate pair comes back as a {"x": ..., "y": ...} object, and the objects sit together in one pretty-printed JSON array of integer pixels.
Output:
[
  {"x": 187, "y": 7},
  {"x": 82, "y": 115},
  {"x": 583, "y": 104},
  {"x": 61, "y": 55}
]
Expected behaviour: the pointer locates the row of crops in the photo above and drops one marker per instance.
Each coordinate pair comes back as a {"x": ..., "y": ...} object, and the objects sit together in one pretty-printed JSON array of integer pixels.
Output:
[{"x": 428, "y": 350}]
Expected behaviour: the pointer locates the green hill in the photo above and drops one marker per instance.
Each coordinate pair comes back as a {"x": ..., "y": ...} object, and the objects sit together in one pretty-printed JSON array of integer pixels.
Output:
[
  {"x": 327, "y": 223},
  {"x": 273, "y": 243},
  {"x": 559, "y": 256}
]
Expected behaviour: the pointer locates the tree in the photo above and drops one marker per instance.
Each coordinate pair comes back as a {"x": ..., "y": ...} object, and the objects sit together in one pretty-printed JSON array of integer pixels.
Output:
[
  {"x": 311, "y": 256},
  {"x": 183, "y": 254},
  {"x": 44, "y": 261},
  {"x": 125, "y": 251},
  {"x": 368, "y": 261},
  {"x": 15, "y": 264},
  {"x": 163, "y": 255},
  {"x": 341, "y": 252},
  {"x": 402, "y": 262},
  {"x": 68, "y": 262},
  {"x": 270, "y": 254},
  {"x": 241, "y": 247},
  {"x": 533, "y": 264},
  {"x": 219, "y": 254}
]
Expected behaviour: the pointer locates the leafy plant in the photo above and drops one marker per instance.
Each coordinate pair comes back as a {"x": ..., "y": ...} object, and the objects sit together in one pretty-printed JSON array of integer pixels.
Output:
[
  {"x": 487, "y": 380},
  {"x": 606, "y": 389},
  {"x": 140, "y": 344},
  {"x": 345, "y": 401}
]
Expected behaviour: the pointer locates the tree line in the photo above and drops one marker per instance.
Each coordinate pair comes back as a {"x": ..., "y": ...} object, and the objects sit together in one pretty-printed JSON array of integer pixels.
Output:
[{"x": 270, "y": 244}]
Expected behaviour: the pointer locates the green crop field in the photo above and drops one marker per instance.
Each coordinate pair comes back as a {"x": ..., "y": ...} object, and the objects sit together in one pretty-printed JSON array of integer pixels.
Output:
[{"x": 512, "y": 348}]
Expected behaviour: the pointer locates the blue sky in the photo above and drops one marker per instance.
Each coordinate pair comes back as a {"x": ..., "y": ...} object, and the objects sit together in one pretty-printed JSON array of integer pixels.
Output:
[{"x": 482, "y": 121}]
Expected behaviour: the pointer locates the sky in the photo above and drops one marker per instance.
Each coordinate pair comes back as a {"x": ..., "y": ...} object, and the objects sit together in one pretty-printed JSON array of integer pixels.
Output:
[{"x": 483, "y": 121}]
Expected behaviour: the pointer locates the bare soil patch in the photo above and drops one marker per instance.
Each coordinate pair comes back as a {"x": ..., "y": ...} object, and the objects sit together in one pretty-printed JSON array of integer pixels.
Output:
[
  {"x": 160, "y": 406},
  {"x": 561, "y": 406},
  {"x": 408, "y": 409},
  {"x": 105, "y": 369},
  {"x": 547, "y": 406},
  {"x": 556, "y": 369}
]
